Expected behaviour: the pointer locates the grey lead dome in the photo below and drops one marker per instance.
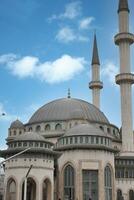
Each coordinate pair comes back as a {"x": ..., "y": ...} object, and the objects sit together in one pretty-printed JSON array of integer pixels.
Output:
[
  {"x": 17, "y": 124},
  {"x": 67, "y": 109}
]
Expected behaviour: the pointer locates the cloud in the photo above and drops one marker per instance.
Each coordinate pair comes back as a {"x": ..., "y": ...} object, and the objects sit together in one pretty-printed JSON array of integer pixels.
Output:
[
  {"x": 109, "y": 71},
  {"x": 67, "y": 34},
  {"x": 85, "y": 23},
  {"x": 72, "y": 10},
  {"x": 62, "y": 69}
]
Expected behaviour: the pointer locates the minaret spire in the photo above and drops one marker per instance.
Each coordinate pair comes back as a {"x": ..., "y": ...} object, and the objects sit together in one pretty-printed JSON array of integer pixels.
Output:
[
  {"x": 95, "y": 57},
  {"x": 95, "y": 85},
  {"x": 125, "y": 79}
]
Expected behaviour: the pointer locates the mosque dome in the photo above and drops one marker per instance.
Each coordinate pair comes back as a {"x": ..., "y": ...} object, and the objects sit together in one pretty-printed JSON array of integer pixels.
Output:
[
  {"x": 68, "y": 109},
  {"x": 85, "y": 129},
  {"x": 17, "y": 124}
]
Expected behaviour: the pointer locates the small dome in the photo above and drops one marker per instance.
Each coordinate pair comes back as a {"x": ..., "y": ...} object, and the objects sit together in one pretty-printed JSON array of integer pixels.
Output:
[
  {"x": 85, "y": 129},
  {"x": 30, "y": 136},
  {"x": 68, "y": 109},
  {"x": 17, "y": 124}
]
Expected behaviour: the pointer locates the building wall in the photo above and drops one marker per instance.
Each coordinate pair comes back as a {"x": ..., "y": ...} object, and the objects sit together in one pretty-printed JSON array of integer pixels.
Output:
[
  {"x": 42, "y": 170},
  {"x": 89, "y": 160}
]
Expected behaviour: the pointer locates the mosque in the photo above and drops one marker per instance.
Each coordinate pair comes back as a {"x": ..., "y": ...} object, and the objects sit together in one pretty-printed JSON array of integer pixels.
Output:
[{"x": 73, "y": 151}]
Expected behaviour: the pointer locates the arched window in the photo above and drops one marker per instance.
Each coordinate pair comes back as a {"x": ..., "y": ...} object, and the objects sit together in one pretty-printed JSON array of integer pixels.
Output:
[
  {"x": 69, "y": 189},
  {"x": 47, "y": 190},
  {"x": 30, "y": 129},
  {"x": 119, "y": 195},
  {"x": 58, "y": 127},
  {"x": 108, "y": 183},
  {"x": 101, "y": 127},
  {"x": 11, "y": 190},
  {"x": 14, "y": 132},
  {"x": 47, "y": 127},
  {"x": 38, "y": 128},
  {"x": 131, "y": 195},
  {"x": 31, "y": 190}
]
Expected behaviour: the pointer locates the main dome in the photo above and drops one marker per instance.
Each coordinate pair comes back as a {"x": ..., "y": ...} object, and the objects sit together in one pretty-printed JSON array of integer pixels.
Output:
[{"x": 67, "y": 109}]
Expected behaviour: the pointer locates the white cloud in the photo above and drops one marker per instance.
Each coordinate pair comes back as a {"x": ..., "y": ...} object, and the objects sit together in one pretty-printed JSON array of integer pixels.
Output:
[
  {"x": 72, "y": 10},
  {"x": 85, "y": 23},
  {"x": 66, "y": 35},
  {"x": 59, "y": 70},
  {"x": 109, "y": 71}
]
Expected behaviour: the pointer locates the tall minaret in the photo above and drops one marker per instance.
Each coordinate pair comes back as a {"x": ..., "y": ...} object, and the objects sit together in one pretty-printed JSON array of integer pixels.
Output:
[
  {"x": 125, "y": 79},
  {"x": 95, "y": 85}
]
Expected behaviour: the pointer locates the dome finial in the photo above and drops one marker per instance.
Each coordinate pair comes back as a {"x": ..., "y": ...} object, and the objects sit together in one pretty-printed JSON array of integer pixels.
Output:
[{"x": 69, "y": 94}]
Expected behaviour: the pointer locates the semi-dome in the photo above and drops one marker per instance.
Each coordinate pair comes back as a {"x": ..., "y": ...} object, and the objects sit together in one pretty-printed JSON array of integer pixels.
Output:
[
  {"x": 85, "y": 129},
  {"x": 67, "y": 109},
  {"x": 30, "y": 136},
  {"x": 17, "y": 124}
]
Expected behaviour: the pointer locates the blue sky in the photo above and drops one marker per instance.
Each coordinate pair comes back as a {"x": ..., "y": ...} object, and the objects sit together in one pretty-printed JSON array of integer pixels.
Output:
[{"x": 46, "y": 48}]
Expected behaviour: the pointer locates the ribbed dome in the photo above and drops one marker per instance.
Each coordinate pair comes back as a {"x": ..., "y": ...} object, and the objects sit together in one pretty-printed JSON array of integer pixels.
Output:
[
  {"x": 67, "y": 109},
  {"x": 17, "y": 124},
  {"x": 30, "y": 136},
  {"x": 85, "y": 129}
]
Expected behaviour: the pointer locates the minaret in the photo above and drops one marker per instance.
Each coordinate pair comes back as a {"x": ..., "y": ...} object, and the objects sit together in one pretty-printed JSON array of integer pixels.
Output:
[
  {"x": 95, "y": 85},
  {"x": 125, "y": 79}
]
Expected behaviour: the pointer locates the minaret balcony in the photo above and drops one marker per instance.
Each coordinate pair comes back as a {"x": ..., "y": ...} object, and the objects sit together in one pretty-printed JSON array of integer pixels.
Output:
[
  {"x": 125, "y": 78},
  {"x": 95, "y": 85},
  {"x": 124, "y": 37}
]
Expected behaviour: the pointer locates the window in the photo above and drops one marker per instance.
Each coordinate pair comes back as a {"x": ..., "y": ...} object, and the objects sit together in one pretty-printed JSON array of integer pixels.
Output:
[
  {"x": 11, "y": 189},
  {"x": 24, "y": 144},
  {"x": 47, "y": 127},
  {"x": 76, "y": 140},
  {"x": 97, "y": 140},
  {"x": 108, "y": 183},
  {"x": 14, "y": 132},
  {"x": 101, "y": 128},
  {"x": 108, "y": 130},
  {"x": 71, "y": 140},
  {"x": 131, "y": 195},
  {"x": 30, "y": 129},
  {"x": 119, "y": 195},
  {"x": 58, "y": 127},
  {"x": 81, "y": 139},
  {"x": 69, "y": 189},
  {"x": 90, "y": 184},
  {"x": 20, "y": 132},
  {"x": 38, "y": 128}
]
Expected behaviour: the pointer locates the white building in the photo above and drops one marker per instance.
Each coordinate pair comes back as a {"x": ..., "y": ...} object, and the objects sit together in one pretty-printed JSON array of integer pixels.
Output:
[{"x": 77, "y": 154}]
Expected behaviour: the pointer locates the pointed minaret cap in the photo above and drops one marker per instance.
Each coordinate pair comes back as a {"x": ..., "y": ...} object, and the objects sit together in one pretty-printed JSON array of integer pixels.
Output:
[
  {"x": 123, "y": 5},
  {"x": 95, "y": 58}
]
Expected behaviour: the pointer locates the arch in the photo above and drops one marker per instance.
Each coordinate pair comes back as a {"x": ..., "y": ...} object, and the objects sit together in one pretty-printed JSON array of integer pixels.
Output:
[
  {"x": 47, "y": 127},
  {"x": 31, "y": 189},
  {"x": 69, "y": 182},
  {"x": 46, "y": 190},
  {"x": 58, "y": 127},
  {"x": 38, "y": 128},
  {"x": 131, "y": 195},
  {"x": 11, "y": 190},
  {"x": 108, "y": 183},
  {"x": 30, "y": 129},
  {"x": 119, "y": 194}
]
